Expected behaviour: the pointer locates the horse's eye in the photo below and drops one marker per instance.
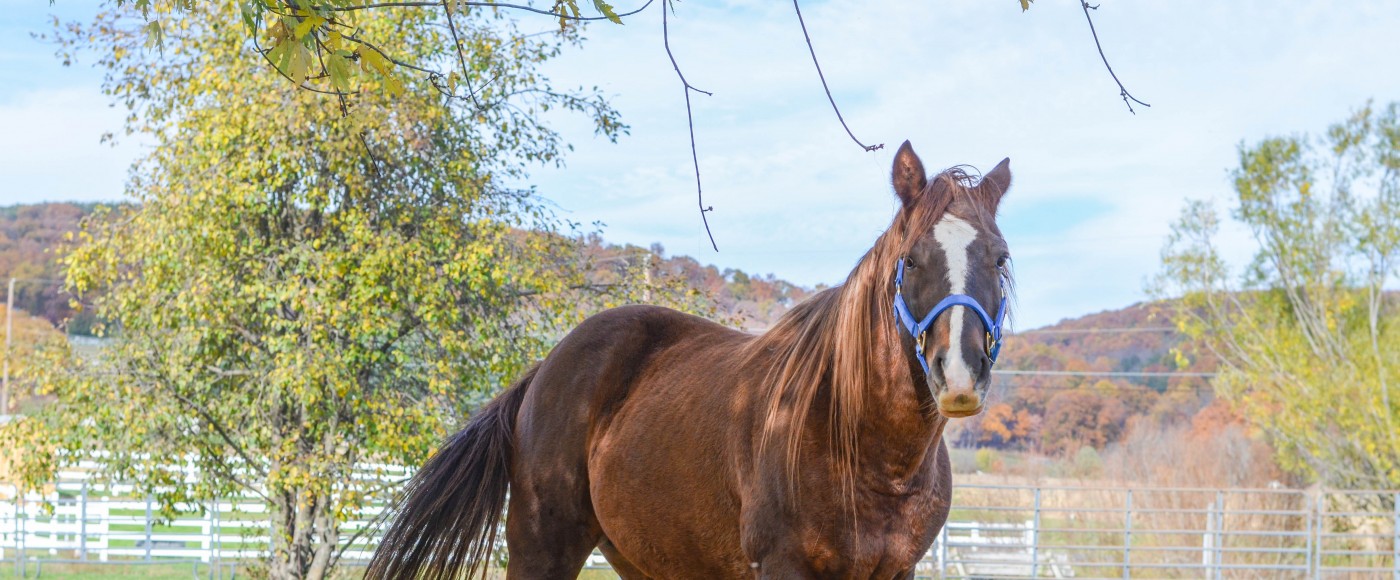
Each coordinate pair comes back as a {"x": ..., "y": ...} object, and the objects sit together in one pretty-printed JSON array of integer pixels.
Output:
[
  {"x": 1001, "y": 262},
  {"x": 909, "y": 263}
]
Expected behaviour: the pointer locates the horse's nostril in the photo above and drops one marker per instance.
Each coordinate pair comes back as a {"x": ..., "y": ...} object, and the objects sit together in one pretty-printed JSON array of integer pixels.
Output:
[{"x": 940, "y": 362}]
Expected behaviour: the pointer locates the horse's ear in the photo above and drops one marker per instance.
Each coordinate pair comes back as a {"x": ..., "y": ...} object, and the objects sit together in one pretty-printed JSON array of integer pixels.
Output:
[
  {"x": 908, "y": 175},
  {"x": 995, "y": 184}
]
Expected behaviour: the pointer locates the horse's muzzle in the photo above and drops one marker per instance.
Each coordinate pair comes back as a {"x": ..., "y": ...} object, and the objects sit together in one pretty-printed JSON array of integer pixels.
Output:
[{"x": 961, "y": 403}]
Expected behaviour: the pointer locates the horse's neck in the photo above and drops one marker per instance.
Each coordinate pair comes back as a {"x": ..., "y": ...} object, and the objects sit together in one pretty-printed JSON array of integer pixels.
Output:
[{"x": 899, "y": 430}]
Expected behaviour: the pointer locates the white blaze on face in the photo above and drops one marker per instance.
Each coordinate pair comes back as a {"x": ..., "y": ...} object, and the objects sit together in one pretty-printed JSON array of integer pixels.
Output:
[{"x": 955, "y": 235}]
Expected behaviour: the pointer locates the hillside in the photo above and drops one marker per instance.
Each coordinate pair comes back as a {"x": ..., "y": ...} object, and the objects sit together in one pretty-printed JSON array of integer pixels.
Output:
[
  {"x": 1074, "y": 384},
  {"x": 28, "y": 235},
  {"x": 1136, "y": 339},
  {"x": 1060, "y": 395}
]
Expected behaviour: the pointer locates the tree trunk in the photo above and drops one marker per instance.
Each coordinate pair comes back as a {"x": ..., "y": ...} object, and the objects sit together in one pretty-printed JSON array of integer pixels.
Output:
[{"x": 304, "y": 536}]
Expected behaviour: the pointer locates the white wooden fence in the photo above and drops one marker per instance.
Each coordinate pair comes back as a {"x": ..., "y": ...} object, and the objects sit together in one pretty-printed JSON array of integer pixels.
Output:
[{"x": 994, "y": 531}]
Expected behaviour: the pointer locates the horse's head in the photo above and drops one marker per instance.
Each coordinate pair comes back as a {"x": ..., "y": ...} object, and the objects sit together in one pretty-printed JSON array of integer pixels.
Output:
[{"x": 951, "y": 278}]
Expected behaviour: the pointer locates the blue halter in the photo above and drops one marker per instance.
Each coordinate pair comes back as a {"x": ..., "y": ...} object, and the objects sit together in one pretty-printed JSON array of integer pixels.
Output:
[{"x": 919, "y": 328}]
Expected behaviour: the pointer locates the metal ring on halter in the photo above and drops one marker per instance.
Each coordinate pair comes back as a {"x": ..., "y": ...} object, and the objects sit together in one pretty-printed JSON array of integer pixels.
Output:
[{"x": 917, "y": 328}]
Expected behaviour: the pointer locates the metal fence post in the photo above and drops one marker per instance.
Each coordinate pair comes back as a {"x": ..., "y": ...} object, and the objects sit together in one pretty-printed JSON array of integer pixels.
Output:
[
  {"x": 1220, "y": 533},
  {"x": 1035, "y": 537},
  {"x": 1320, "y": 542},
  {"x": 217, "y": 542},
  {"x": 1127, "y": 535},
  {"x": 148, "y": 527},
  {"x": 19, "y": 557},
  {"x": 1208, "y": 539},
  {"x": 1395, "y": 539},
  {"x": 82, "y": 522},
  {"x": 943, "y": 552},
  {"x": 23, "y": 528},
  {"x": 1309, "y": 505}
]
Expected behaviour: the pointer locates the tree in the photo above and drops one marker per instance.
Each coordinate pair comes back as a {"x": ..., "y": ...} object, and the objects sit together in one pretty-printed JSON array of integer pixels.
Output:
[
  {"x": 300, "y": 293},
  {"x": 1078, "y": 418},
  {"x": 1307, "y": 335},
  {"x": 27, "y": 333}
]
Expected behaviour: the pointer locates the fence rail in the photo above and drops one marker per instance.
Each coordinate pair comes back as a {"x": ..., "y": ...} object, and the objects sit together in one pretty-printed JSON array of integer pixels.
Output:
[
  {"x": 1090, "y": 532},
  {"x": 993, "y": 531}
]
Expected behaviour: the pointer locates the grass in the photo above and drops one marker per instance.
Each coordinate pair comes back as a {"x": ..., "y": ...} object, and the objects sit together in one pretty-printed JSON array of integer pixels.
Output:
[
  {"x": 181, "y": 571},
  {"x": 54, "y": 571}
]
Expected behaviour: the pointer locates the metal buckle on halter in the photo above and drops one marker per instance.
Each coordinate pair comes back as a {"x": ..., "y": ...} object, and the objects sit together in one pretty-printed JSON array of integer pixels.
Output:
[{"x": 919, "y": 342}]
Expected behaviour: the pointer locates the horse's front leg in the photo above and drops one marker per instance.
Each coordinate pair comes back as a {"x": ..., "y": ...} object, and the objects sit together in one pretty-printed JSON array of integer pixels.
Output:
[
  {"x": 796, "y": 560},
  {"x": 783, "y": 569}
]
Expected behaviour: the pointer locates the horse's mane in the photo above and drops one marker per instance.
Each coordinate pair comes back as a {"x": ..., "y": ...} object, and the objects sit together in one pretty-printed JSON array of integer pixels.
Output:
[{"x": 825, "y": 343}]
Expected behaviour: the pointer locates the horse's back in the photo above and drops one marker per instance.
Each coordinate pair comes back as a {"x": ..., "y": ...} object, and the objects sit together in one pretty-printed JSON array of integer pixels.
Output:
[
  {"x": 596, "y": 367},
  {"x": 637, "y": 416}
]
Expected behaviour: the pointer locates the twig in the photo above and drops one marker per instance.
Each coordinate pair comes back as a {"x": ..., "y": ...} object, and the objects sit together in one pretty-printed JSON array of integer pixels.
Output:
[
  {"x": 1128, "y": 98},
  {"x": 821, "y": 76},
  {"x": 387, "y": 56},
  {"x": 228, "y": 440},
  {"x": 461, "y": 58},
  {"x": 480, "y": 4},
  {"x": 373, "y": 163},
  {"x": 690, "y": 123}
]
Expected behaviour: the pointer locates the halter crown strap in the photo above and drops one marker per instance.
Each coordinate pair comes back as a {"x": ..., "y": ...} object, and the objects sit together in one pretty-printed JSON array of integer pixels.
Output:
[{"x": 917, "y": 327}]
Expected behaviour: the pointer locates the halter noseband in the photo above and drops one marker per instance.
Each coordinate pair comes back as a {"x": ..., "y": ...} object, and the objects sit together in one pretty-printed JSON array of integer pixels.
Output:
[{"x": 919, "y": 328}]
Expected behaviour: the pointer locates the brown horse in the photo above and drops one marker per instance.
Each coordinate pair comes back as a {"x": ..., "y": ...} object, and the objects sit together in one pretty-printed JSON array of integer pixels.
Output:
[{"x": 685, "y": 449}]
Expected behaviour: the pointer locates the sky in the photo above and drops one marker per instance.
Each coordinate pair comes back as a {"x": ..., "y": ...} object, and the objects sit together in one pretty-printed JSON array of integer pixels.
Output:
[{"x": 966, "y": 81}]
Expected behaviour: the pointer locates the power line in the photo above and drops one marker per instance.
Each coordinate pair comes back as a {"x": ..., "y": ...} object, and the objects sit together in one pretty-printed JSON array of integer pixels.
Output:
[
  {"x": 1121, "y": 330},
  {"x": 1137, "y": 374}
]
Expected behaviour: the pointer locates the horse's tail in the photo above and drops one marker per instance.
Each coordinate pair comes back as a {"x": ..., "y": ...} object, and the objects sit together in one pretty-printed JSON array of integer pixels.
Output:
[{"x": 447, "y": 516}]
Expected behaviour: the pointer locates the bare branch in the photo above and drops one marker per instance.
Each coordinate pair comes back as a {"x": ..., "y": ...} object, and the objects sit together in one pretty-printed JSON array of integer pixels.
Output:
[
  {"x": 1128, "y": 98},
  {"x": 478, "y": 4},
  {"x": 821, "y": 76},
  {"x": 690, "y": 123},
  {"x": 386, "y": 55},
  {"x": 461, "y": 55}
]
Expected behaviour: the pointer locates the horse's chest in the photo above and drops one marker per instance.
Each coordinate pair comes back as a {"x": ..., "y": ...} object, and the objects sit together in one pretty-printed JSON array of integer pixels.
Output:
[{"x": 891, "y": 538}]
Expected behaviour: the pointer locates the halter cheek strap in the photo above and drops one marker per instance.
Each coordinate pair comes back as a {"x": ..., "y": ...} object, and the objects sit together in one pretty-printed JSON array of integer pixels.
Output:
[{"x": 918, "y": 328}]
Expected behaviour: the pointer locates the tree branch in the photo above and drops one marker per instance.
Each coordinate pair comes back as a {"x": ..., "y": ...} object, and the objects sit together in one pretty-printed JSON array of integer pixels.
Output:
[
  {"x": 461, "y": 56},
  {"x": 821, "y": 76},
  {"x": 478, "y": 4},
  {"x": 386, "y": 56},
  {"x": 690, "y": 123},
  {"x": 1128, "y": 98},
  {"x": 263, "y": 53}
]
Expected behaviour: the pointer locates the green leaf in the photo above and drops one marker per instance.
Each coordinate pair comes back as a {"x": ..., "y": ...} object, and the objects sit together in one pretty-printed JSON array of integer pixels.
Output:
[
  {"x": 607, "y": 10},
  {"x": 281, "y": 55},
  {"x": 307, "y": 25},
  {"x": 155, "y": 35},
  {"x": 340, "y": 70},
  {"x": 251, "y": 15}
]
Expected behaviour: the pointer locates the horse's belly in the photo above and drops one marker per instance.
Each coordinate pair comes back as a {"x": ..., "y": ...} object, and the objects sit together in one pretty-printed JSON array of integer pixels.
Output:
[{"x": 660, "y": 490}]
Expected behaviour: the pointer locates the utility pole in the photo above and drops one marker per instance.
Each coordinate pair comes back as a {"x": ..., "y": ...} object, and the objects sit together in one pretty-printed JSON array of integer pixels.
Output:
[
  {"x": 9, "y": 326},
  {"x": 646, "y": 273}
]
